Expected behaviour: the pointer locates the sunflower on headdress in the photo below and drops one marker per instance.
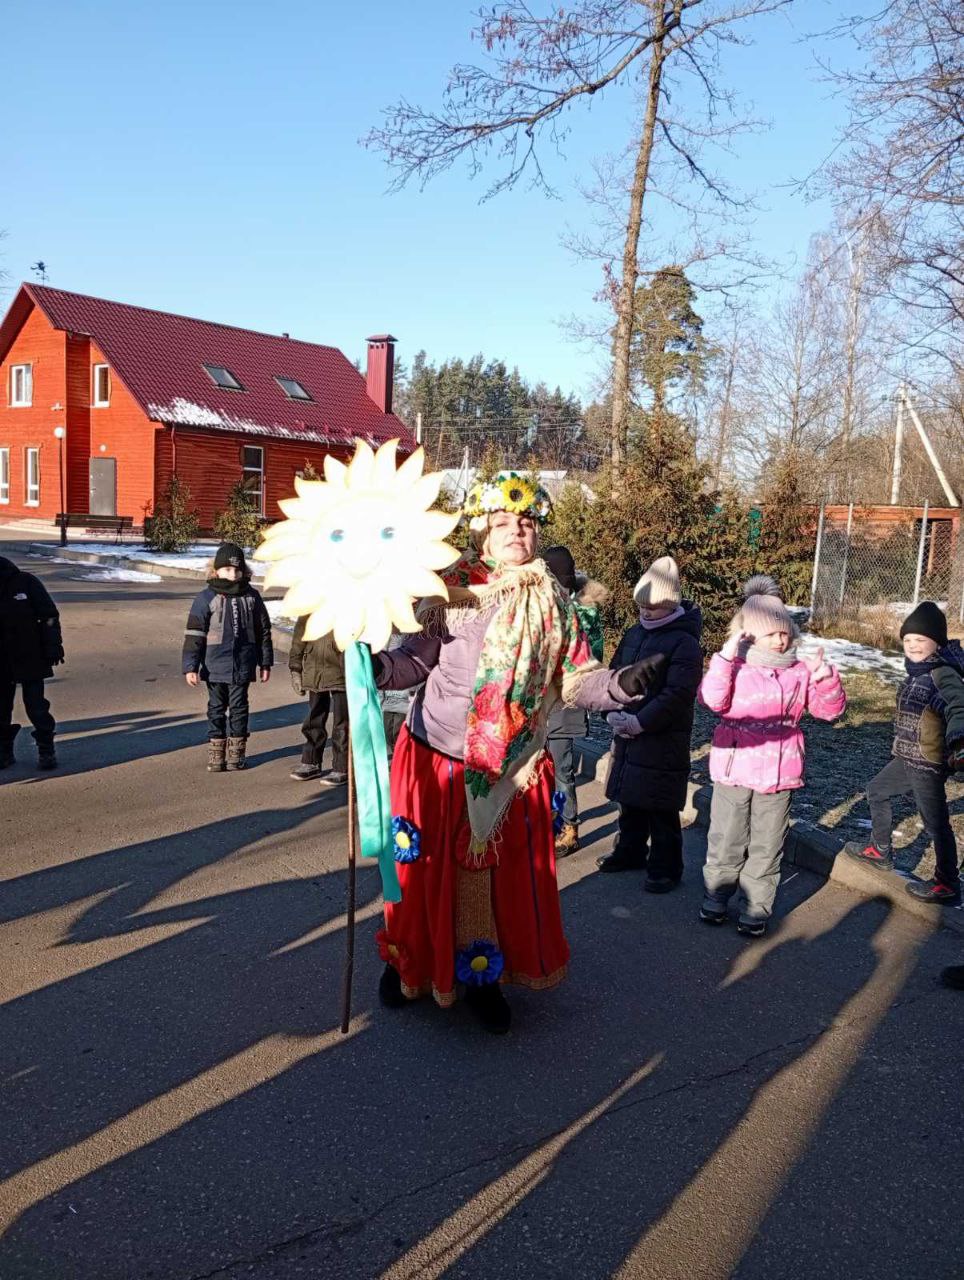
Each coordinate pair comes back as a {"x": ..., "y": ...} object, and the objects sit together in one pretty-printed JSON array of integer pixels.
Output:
[{"x": 521, "y": 495}]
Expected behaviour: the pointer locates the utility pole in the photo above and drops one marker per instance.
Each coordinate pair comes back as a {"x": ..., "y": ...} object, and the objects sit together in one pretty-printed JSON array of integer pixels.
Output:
[
  {"x": 952, "y": 498},
  {"x": 898, "y": 448}
]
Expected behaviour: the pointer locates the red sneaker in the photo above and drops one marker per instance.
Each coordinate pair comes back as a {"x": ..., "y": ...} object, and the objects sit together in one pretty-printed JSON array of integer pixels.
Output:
[
  {"x": 934, "y": 891},
  {"x": 869, "y": 854}
]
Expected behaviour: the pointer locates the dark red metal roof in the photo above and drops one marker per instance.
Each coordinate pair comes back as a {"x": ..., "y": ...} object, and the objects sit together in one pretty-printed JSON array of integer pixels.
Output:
[{"x": 160, "y": 357}]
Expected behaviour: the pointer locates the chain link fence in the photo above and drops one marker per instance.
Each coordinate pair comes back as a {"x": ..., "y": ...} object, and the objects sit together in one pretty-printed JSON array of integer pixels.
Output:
[{"x": 873, "y": 564}]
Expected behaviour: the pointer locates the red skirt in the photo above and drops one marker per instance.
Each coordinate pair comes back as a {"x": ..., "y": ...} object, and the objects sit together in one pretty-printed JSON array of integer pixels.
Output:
[{"x": 511, "y": 905}]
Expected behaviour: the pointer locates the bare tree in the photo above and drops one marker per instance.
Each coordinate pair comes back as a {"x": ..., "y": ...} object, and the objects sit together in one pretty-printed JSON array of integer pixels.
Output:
[
  {"x": 541, "y": 65},
  {"x": 4, "y": 274},
  {"x": 902, "y": 159}
]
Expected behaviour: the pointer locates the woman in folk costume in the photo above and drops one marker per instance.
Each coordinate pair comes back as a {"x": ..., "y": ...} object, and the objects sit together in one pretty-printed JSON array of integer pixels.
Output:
[{"x": 472, "y": 783}]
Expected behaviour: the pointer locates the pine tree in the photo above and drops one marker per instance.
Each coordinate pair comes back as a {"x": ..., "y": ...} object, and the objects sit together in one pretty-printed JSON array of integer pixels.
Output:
[
  {"x": 662, "y": 505},
  {"x": 240, "y": 521},
  {"x": 175, "y": 524},
  {"x": 787, "y": 530}
]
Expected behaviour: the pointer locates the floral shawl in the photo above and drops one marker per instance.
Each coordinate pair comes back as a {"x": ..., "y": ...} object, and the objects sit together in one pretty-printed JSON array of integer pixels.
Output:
[{"x": 532, "y": 640}]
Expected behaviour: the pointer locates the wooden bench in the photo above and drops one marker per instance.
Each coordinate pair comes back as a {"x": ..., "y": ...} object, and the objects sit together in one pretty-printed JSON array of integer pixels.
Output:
[{"x": 80, "y": 520}]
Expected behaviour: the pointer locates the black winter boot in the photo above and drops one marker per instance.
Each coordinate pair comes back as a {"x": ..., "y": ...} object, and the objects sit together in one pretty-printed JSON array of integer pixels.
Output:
[
  {"x": 7, "y": 736},
  {"x": 490, "y": 1007},
  {"x": 46, "y": 756},
  {"x": 390, "y": 989},
  {"x": 235, "y": 754}
]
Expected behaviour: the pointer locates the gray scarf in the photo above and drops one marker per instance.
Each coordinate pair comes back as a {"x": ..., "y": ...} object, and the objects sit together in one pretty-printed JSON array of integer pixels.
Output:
[{"x": 758, "y": 656}]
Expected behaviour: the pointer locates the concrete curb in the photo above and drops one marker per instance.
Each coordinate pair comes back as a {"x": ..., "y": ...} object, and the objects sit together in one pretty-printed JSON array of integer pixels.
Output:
[{"x": 818, "y": 851}]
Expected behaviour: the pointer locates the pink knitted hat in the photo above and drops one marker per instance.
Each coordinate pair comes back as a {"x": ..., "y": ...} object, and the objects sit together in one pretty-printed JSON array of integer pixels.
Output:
[{"x": 763, "y": 611}]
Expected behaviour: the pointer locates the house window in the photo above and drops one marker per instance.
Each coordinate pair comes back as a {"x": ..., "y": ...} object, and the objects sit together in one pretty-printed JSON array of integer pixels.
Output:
[
  {"x": 33, "y": 478},
  {"x": 101, "y": 386},
  {"x": 222, "y": 377},
  {"x": 4, "y": 475},
  {"x": 252, "y": 475},
  {"x": 293, "y": 389},
  {"x": 21, "y": 385}
]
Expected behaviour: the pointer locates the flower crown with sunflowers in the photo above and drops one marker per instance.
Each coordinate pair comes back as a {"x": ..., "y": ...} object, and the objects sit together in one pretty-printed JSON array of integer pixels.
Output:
[{"x": 522, "y": 495}]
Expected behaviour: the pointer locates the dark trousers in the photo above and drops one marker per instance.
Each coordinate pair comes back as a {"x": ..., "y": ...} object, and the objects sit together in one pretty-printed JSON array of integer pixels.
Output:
[
  {"x": 227, "y": 710},
  {"x": 34, "y": 703},
  {"x": 899, "y": 779},
  {"x": 659, "y": 829},
  {"x": 393, "y": 721},
  {"x": 315, "y": 729}
]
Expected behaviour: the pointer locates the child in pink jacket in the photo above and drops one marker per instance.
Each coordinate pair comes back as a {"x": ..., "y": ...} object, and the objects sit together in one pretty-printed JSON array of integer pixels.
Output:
[{"x": 760, "y": 688}]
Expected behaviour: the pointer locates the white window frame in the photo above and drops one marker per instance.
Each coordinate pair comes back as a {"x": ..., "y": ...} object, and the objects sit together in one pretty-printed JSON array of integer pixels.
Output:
[
  {"x": 25, "y": 399},
  {"x": 254, "y": 471},
  {"x": 27, "y": 486},
  {"x": 5, "y": 474},
  {"x": 97, "y": 401}
]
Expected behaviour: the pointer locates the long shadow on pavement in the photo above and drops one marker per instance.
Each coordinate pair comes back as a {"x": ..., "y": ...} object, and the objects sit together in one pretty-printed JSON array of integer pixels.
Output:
[
  {"x": 210, "y": 1115},
  {"x": 135, "y": 739}
]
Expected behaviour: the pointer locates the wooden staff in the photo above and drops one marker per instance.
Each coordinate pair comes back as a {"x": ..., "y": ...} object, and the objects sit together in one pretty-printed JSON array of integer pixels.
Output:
[{"x": 350, "y": 910}]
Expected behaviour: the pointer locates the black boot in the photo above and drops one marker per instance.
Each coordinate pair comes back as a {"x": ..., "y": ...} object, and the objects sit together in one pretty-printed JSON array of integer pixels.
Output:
[
  {"x": 390, "y": 989},
  {"x": 46, "y": 755},
  {"x": 490, "y": 1007},
  {"x": 7, "y": 736}
]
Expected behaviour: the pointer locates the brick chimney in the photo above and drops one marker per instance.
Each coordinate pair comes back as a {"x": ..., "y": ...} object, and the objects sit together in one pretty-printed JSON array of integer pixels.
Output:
[{"x": 380, "y": 374}]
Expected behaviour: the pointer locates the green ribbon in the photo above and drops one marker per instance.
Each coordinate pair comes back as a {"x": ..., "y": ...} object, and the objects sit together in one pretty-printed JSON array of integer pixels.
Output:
[{"x": 372, "y": 794}]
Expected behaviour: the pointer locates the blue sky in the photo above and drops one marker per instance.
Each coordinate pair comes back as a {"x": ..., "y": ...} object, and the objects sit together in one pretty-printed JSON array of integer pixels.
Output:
[{"x": 203, "y": 158}]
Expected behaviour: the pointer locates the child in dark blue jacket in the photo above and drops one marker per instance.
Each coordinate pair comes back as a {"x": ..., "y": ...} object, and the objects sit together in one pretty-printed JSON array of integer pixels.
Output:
[
  {"x": 928, "y": 737},
  {"x": 227, "y": 644}
]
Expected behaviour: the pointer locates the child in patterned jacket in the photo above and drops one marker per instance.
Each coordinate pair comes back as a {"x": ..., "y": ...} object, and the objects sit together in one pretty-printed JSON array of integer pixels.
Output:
[
  {"x": 760, "y": 688},
  {"x": 928, "y": 745}
]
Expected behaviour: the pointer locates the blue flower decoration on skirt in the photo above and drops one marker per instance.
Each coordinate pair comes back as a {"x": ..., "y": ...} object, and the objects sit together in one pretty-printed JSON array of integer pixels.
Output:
[
  {"x": 407, "y": 840},
  {"x": 479, "y": 964},
  {"x": 558, "y": 805}
]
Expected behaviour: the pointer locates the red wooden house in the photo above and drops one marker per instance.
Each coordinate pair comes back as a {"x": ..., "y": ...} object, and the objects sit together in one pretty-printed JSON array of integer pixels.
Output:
[{"x": 139, "y": 394}]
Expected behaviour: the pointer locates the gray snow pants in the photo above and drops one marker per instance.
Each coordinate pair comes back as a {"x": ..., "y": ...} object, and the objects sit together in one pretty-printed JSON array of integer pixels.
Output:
[{"x": 744, "y": 849}]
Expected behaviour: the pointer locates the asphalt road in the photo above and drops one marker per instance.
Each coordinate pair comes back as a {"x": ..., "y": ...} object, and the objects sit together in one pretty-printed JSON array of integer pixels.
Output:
[{"x": 176, "y": 1100}]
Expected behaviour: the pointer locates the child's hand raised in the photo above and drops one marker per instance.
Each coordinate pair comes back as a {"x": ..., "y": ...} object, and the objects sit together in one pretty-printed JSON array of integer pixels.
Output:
[
  {"x": 815, "y": 664},
  {"x": 736, "y": 645}
]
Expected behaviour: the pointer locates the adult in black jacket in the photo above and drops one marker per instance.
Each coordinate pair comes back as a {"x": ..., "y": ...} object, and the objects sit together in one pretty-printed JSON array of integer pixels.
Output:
[
  {"x": 651, "y": 745},
  {"x": 30, "y": 647},
  {"x": 227, "y": 643}
]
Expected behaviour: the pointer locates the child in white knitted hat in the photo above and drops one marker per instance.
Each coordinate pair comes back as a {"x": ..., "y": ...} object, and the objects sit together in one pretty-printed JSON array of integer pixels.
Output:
[
  {"x": 760, "y": 688},
  {"x": 651, "y": 744}
]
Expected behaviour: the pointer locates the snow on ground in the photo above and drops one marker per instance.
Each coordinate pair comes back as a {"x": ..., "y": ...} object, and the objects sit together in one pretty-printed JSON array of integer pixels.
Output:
[
  {"x": 849, "y": 657},
  {"x": 198, "y": 556},
  {"x": 278, "y": 619},
  {"x": 94, "y": 574},
  {"x": 116, "y": 575}
]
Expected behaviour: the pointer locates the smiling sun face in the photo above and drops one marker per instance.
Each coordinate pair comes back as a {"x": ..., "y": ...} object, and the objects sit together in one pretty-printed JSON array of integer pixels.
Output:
[{"x": 359, "y": 546}]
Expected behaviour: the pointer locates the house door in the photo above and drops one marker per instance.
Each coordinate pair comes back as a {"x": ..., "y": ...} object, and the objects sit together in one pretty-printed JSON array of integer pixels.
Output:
[{"x": 103, "y": 487}]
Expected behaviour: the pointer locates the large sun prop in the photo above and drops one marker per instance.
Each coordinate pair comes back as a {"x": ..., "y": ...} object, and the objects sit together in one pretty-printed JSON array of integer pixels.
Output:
[
  {"x": 358, "y": 547},
  {"x": 355, "y": 551}
]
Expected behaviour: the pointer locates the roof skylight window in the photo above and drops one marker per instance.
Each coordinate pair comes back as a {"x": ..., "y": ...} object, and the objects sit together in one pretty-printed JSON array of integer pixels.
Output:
[
  {"x": 222, "y": 377},
  {"x": 293, "y": 389}
]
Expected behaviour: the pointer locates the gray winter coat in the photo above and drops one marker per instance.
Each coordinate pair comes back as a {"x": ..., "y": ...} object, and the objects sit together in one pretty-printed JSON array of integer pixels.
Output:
[
  {"x": 445, "y": 667},
  {"x": 228, "y": 636}
]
